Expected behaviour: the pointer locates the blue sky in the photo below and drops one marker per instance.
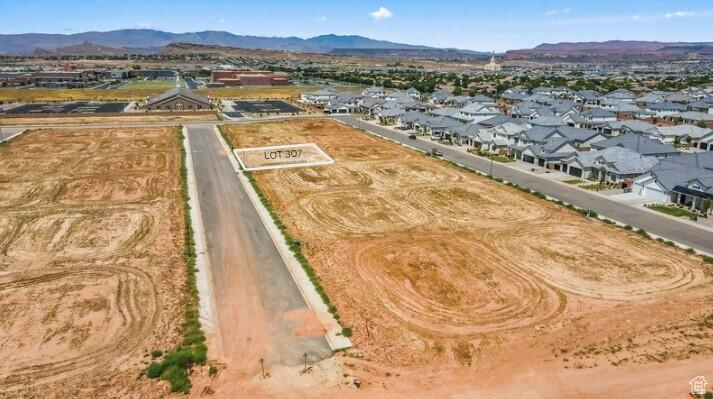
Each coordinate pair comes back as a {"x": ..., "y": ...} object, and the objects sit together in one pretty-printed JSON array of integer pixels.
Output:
[{"x": 477, "y": 25}]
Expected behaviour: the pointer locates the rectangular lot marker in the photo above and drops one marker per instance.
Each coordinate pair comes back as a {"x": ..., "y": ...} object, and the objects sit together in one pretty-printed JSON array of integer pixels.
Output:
[{"x": 282, "y": 156}]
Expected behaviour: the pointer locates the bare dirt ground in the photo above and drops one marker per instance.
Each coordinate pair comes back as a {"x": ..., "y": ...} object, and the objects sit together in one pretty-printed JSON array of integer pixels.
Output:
[
  {"x": 274, "y": 157},
  {"x": 458, "y": 286},
  {"x": 71, "y": 119},
  {"x": 91, "y": 271}
]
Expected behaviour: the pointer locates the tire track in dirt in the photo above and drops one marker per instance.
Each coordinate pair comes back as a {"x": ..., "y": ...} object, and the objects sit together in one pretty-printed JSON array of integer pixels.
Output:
[
  {"x": 91, "y": 272},
  {"x": 134, "y": 301}
]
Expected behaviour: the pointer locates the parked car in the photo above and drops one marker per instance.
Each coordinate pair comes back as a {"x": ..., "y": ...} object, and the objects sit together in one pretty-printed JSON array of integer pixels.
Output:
[
  {"x": 412, "y": 136},
  {"x": 436, "y": 153}
]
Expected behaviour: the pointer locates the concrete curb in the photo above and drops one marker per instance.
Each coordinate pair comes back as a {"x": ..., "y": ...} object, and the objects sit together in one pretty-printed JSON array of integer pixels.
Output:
[
  {"x": 333, "y": 329},
  {"x": 206, "y": 298},
  {"x": 12, "y": 136}
]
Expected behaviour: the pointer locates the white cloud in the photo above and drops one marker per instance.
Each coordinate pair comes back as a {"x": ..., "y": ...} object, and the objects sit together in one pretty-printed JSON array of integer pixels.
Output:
[
  {"x": 679, "y": 14},
  {"x": 620, "y": 18},
  {"x": 145, "y": 25},
  {"x": 220, "y": 21},
  {"x": 321, "y": 18},
  {"x": 381, "y": 13},
  {"x": 558, "y": 11}
]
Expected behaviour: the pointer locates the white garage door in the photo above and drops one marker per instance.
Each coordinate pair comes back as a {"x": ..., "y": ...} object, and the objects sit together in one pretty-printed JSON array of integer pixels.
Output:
[{"x": 653, "y": 192}]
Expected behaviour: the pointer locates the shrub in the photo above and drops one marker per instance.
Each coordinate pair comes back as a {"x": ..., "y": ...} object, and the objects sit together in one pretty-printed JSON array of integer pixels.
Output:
[
  {"x": 154, "y": 370},
  {"x": 627, "y": 227},
  {"x": 175, "y": 364},
  {"x": 643, "y": 233},
  {"x": 347, "y": 332}
]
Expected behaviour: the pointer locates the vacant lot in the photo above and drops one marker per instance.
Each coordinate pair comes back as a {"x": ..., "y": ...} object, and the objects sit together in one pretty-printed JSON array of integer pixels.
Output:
[
  {"x": 10, "y": 95},
  {"x": 149, "y": 84},
  {"x": 90, "y": 260},
  {"x": 449, "y": 269},
  {"x": 128, "y": 117}
]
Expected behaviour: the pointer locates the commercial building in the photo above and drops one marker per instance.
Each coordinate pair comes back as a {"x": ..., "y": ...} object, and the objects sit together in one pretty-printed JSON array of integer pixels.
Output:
[
  {"x": 178, "y": 99},
  {"x": 250, "y": 78}
]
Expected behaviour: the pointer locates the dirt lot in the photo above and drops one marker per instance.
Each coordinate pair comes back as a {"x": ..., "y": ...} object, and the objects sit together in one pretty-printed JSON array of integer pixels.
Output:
[
  {"x": 91, "y": 270},
  {"x": 88, "y": 119},
  {"x": 10, "y": 95},
  {"x": 465, "y": 283}
]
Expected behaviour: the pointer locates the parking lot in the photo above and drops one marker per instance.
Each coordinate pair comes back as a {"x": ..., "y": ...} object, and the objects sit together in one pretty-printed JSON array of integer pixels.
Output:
[
  {"x": 265, "y": 107},
  {"x": 81, "y": 107}
]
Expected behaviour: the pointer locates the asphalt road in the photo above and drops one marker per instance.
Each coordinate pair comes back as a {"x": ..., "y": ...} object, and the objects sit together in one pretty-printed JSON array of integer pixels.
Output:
[
  {"x": 680, "y": 232},
  {"x": 257, "y": 304}
]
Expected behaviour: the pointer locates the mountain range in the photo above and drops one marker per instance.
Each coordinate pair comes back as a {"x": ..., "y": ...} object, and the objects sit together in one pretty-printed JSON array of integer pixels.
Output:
[
  {"x": 142, "y": 39},
  {"x": 614, "y": 50}
]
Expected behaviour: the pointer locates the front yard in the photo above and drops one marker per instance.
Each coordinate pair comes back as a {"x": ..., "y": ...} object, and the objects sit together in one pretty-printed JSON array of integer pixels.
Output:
[{"x": 673, "y": 211}]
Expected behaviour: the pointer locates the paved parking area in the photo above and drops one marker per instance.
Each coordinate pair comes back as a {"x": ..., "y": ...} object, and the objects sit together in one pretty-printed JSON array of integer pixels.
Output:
[
  {"x": 82, "y": 107},
  {"x": 265, "y": 107}
]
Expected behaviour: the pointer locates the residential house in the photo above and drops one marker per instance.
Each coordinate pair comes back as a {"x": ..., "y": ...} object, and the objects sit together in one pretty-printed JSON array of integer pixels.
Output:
[
  {"x": 686, "y": 180},
  {"x": 439, "y": 96},
  {"x": 616, "y": 128},
  {"x": 477, "y": 112},
  {"x": 623, "y": 95},
  {"x": 639, "y": 144},
  {"x": 319, "y": 97},
  {"x": 548, "y": 146},
  {"x": 586, "y": 97},
  {"x": 529, "y": 110},
  {"x": 374, "y": 91},
  {"x": 344, "y": 103},
  {"x": 613, "y": 164},
  {"x": 679, "y": 134},
  {"x": 665, "y": 109},
  {"x": 548, "y": 121}
]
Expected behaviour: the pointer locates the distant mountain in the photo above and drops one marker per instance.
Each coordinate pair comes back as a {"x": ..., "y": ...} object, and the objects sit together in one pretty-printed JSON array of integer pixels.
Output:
[
  {"x": 417, "y": 53},
  {"x": 147, "y": 38},
  {"x": 612, "y": 45},
  {"x": 614, "y": 50},
  {"x": 89, "y": 49}
]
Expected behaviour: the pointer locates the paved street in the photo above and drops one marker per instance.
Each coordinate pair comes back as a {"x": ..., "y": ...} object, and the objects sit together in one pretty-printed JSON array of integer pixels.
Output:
[
  {"x": 259, "y": 309},
  {"x": 672, "y": 229}
]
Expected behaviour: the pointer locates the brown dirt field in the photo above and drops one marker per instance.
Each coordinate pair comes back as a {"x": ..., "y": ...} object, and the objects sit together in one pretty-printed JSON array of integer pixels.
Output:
[
  {"x": 91, "y": 272},
  {"x": 10, "y": 95},
  {"x": 458, "y": 276},
  {"x": 127, "y": 118}
]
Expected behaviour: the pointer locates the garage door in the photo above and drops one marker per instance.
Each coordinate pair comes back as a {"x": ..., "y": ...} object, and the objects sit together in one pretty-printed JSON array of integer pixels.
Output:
[
  {"x": 528, "y": 159},
  {"x": 575, "y": 171},
  {"x": 653, "y": 193}
]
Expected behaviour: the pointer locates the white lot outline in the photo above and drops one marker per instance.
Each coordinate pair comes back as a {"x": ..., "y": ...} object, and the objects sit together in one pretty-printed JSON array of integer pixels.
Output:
[{"x": 327, "y": 161}]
